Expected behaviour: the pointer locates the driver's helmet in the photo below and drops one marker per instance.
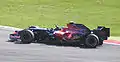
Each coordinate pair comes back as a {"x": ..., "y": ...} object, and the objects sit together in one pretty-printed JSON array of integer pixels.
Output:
[{"x": 71, "y": 22}]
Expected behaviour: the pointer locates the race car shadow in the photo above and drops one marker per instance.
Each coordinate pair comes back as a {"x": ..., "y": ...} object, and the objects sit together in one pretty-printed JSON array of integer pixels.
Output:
[
  {"x": 65, "y": 44},
  {"x": 57, "y": 43}
]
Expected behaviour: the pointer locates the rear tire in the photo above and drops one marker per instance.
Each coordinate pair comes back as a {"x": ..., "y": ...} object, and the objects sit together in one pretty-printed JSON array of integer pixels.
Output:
[
  {"x": 91, "y": 41},
  {"x": 26, "y": 37}
]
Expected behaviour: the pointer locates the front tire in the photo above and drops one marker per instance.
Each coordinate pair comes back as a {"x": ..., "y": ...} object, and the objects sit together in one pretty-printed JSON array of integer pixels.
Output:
[{"x": 26, "y": 36}]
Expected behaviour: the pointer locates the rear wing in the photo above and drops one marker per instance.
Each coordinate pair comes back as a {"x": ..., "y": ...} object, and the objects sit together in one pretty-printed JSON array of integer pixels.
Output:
[
  {"x": 107, "y": 30},
  {"x": 101, "y": 30}
]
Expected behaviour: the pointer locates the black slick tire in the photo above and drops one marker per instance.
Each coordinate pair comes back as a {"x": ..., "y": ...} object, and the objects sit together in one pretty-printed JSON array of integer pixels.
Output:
[
  {"x": 26, "y": 37},
  {"x": 91, "y": 41}
]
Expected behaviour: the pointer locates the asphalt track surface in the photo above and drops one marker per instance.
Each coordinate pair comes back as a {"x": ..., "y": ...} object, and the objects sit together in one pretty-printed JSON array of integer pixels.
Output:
[{"x": 10, "y": 52}]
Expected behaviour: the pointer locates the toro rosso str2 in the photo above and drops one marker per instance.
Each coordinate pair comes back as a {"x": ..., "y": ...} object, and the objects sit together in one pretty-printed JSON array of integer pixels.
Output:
[{"x": 73, "y": 34}]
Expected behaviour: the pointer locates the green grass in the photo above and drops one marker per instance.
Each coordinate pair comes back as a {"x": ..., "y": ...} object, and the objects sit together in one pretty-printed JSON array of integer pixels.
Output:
[{"x": 46, "y": 13}]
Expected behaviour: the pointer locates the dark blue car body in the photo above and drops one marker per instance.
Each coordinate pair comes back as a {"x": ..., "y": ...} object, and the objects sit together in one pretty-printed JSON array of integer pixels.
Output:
[{"x": 85, "y": 36}]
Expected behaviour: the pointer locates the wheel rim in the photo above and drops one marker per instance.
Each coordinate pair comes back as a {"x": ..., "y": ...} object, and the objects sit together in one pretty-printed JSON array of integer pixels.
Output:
[
  {"x": 26, "y": 36},
  {"x": 91, "y": 41}
]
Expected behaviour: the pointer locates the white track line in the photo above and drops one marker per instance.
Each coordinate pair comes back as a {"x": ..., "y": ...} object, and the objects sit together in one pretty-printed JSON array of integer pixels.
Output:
[
  {"x": 111, "y": 43},
  {"x": 9, "y": 28}
]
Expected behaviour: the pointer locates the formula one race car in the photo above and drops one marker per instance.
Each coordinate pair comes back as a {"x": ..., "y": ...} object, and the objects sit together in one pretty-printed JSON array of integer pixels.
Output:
[{"x": 73, "y": 34}]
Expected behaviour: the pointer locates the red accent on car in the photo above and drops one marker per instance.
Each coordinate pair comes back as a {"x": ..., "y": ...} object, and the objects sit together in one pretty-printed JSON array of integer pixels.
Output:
[{"x": 15, "y": 33}]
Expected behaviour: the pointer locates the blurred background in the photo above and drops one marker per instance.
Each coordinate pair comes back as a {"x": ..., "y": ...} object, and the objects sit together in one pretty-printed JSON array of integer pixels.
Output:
[{"x": 47, "y": 13}]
